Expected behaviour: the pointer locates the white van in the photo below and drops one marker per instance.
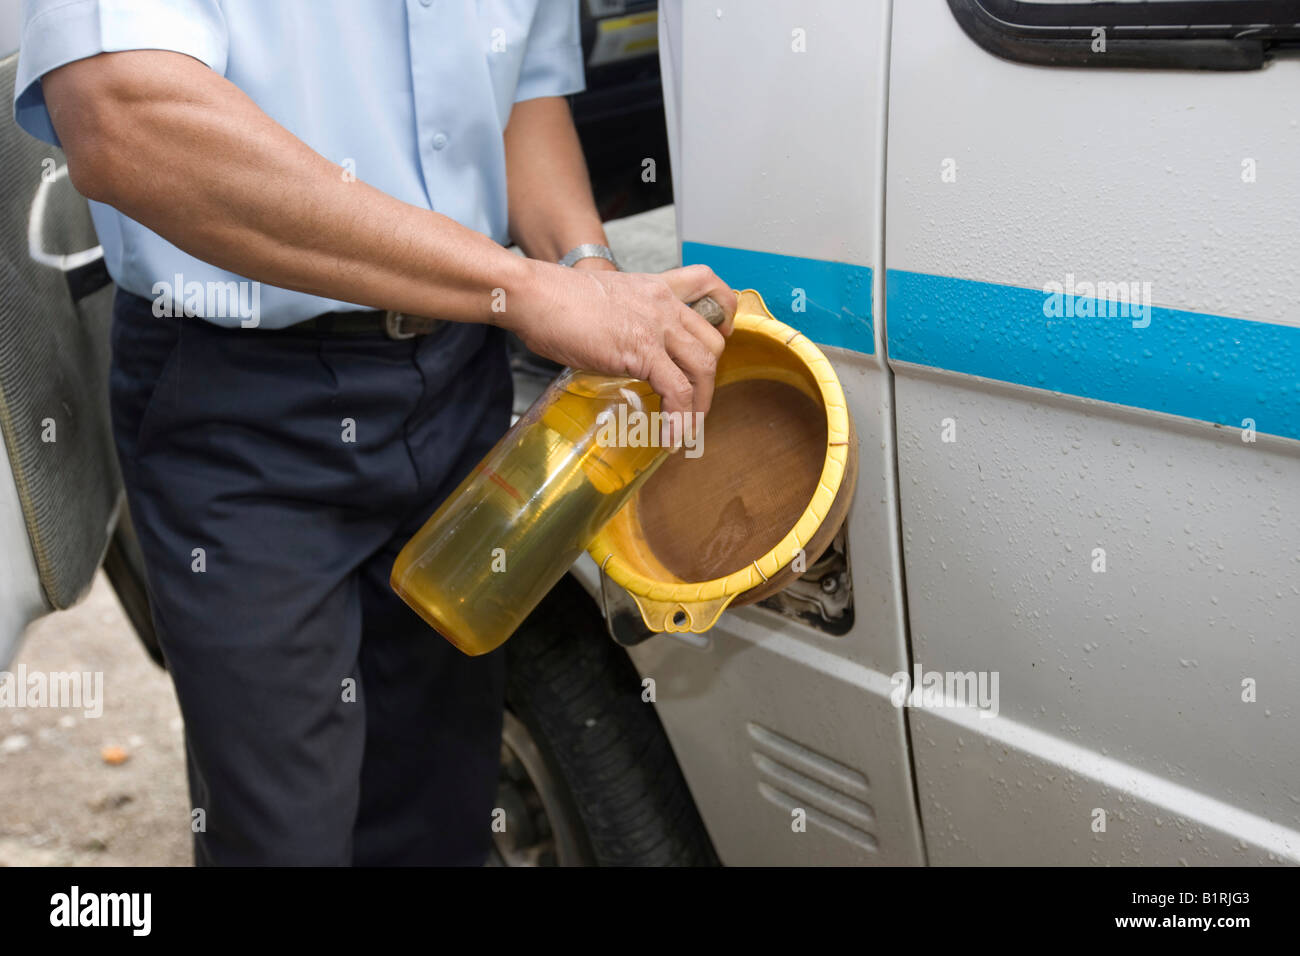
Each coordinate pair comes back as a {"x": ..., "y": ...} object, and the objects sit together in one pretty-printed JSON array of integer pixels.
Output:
[{"x": 1051, "y": 249}]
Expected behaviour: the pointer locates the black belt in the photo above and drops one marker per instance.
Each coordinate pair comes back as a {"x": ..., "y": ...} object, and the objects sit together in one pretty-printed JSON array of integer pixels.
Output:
[{"x": 396, "y": 325}]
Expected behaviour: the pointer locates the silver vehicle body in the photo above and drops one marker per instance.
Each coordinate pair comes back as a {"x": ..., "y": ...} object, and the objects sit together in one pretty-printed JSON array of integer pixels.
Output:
[{"x": 1103, "y": 516}]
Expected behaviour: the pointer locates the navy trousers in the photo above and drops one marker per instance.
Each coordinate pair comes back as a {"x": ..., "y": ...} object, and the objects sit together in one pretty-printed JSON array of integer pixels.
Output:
[{"x": 272, "y": 478}]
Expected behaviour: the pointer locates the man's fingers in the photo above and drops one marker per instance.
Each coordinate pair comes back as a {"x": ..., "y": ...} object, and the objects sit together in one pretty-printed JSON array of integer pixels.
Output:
[
  {"x": 696, "y": 348},
  {"x": 698, "y": 364},
  {"x": 707, "y": 334},
  {"x": 691, "y": 283},
  {"x": 695, "y": 282},
  {"x": 676, "y": 393}
]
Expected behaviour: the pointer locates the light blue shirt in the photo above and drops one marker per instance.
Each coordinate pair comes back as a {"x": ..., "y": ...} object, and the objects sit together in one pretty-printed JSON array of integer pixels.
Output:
[{"x": 412, "y": 97}]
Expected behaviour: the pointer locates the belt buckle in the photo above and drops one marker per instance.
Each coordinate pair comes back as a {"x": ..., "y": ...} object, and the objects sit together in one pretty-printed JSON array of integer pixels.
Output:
[{"x": 393, "y": 325}]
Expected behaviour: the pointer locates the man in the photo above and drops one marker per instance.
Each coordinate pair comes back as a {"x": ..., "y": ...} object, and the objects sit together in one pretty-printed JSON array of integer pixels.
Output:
[{"x": 331, "y": 158}]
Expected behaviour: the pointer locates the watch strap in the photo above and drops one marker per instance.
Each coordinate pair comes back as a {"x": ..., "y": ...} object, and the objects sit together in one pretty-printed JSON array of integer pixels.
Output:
[{"x": 589, "y": 250}]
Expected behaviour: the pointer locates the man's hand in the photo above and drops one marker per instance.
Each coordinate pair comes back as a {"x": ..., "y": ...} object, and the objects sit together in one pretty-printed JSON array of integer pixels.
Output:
[
  {"x": 592, "y": 316},
  {"x": 628, "y": 323}
]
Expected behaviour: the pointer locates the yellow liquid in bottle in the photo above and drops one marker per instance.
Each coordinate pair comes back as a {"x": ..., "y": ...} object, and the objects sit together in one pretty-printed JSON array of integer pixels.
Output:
[{"x": 517, "y": 523}]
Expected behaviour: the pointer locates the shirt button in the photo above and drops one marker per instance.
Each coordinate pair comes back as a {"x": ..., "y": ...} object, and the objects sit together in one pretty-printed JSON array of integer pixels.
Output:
[
  {"x": 425, "y": 3},
  {"x": 439, "y": 140}
]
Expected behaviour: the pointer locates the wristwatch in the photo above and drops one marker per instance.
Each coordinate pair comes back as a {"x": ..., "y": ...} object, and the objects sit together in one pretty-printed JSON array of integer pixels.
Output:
[{"x": 589, "y": 250}]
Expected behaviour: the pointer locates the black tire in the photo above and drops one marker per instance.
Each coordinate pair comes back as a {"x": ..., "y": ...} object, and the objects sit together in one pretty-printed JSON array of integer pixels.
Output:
[{"x": 579, "y": 697}]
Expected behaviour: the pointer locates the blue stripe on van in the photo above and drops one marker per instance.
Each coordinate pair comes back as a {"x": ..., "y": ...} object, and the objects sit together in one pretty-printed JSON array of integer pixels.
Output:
[
  {"x": 837, "y": 296},
  {"x": 1201, "y": 366}
]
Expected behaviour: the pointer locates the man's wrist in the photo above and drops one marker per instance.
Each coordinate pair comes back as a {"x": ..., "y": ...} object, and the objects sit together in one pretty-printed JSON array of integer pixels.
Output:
[{"x": 531, "y": 289}]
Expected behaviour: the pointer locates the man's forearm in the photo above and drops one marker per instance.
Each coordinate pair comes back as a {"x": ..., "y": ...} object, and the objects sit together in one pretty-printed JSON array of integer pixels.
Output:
[
  {"x": 234, "y": 188},
  {"x": 183, "y": 151},
  {"x": 551, "y": 207}
]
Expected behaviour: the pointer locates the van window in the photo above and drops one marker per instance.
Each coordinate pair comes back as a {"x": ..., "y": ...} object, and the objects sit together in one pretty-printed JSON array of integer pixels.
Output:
[{"x": 1150, "y": 34}]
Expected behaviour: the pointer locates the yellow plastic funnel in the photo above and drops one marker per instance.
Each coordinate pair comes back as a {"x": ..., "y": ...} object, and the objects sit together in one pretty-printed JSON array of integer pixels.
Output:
[{"x": 761, "y": 498}]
